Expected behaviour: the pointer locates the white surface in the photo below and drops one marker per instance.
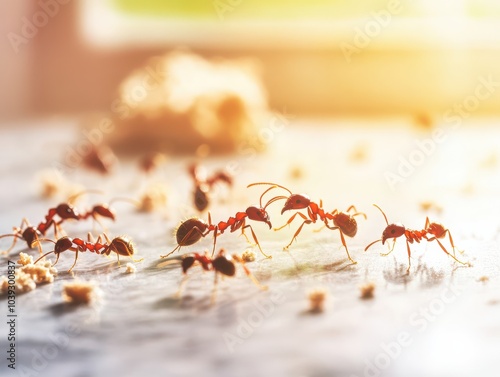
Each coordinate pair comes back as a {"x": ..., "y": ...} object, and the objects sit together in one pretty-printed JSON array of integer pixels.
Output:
[{"x": 139, "y": 328}]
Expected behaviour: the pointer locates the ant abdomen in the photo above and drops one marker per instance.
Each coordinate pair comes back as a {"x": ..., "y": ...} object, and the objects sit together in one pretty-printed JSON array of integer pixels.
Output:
[{"x": 346, "y": 223}]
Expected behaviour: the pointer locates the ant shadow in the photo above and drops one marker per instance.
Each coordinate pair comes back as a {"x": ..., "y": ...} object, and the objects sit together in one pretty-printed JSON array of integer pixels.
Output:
[
  {"x": 427, "y": 276},
  {"x": 62, "y": 308}
]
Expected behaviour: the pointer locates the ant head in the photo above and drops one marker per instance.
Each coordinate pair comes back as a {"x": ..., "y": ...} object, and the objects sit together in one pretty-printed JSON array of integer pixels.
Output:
[
  {"x": 104, "y": 211},
  {"x": 258, "y": 214},
  {"x": 62, "y": 244},
  {"x": 392, "y": 231},
  {"x": 30, "y": 235},
  {"x": 223, "y": 265},
  {"x": 201, "y": 197},
  {"x": 296, "y": 201},
  {"x": 122, "y": 246},
  {"x": 187, "y": 263},
  {"x": 65, "y": 211}
]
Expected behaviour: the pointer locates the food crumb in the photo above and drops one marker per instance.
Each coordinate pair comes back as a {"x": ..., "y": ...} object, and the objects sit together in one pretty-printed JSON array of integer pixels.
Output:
[
  {"x": 39, "y": 273},
  {"x": 80, "y": 292},
  {"x": 248, "y": 256},
  {"x": 24, "y": 283},
  {"x": 367, "y": 291},
  {"x": 483, "y": 279},
  {"x": 130, "y": 268},
  {"x": 25, "y": 259},
  {"x": 316, "y": 301},
  {"x": 153, "y": 198}
]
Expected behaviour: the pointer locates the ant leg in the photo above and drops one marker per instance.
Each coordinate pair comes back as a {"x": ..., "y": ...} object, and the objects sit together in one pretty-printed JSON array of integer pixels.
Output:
[
  {"x": 356, "y": 213},
  {"x": 291, "y": 219},
  {"x": 446, "y": 251},
  {"x": 452, "y": 244},
  {"x": 76, "y": 258},
  {"x": 248, "y": 273},
  {"x": 297, "y": 232},
  {"x": 409, "y": 257},
  {"x": 186, "y": 237},
  {"x": 390, "y": 250},
  {"x": 214, "y": 290},
  {"x": 181, "y": 286},
  {"x": 215, "y": 240},
  {"x": 16, "y": 236},
  {"x": 427, "y": 222},
  {"x": 255, "y": 239},
  {"x": 343, "y": 242}
]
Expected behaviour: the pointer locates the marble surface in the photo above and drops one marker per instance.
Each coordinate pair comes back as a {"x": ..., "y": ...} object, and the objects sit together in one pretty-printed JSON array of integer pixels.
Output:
[{"x": 439, "y": 321}]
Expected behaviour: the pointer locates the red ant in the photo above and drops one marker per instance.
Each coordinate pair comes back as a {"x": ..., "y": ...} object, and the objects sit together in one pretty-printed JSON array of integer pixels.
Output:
[
  {"x": 344, "y": 222},
  {"x": 394, "y": 231},
  {"x": 204, "y": 184},
  {"x": 120, "y": 245},
  {"x": 193, "y": 229},
  {"x": 31, "y": 235},
  {"x": 220, "y": 265}
]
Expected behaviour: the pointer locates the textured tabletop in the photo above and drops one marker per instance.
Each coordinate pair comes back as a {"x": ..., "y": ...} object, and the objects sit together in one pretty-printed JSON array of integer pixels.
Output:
[{"x": 440, "y": 320}]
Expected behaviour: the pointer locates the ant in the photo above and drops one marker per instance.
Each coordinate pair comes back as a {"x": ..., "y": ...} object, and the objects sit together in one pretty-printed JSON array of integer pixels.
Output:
[
  {"x": 203, "y": 184},
  {"x": 220, "y": 265},
  {"x": 32, "y": 235},
  {"x": 100, "y": 210},
  {"x": 120, "y": 245},
  {"x": 192, "y": 230},
  {"x": 394, "y": 231},
  {"x": 344, "y": 222}
]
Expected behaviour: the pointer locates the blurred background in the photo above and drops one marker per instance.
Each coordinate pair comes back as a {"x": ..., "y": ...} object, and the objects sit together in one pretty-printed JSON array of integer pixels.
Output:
[{"x": 317, "y": 57}]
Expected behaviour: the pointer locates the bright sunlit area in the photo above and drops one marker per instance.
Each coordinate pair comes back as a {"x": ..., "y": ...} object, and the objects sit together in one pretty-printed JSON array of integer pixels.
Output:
[{"x": 250, "y": 188}]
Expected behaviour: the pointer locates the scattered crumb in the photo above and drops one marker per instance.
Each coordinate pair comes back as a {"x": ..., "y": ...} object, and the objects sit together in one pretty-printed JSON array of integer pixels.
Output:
[
  {"x": 297, "y": 172},
  {"x": 483, "y": 279},
  {"x": 424, "y": 121},
  {"x": 248, "y": 256},
  {"x": 153, "y": 198},
  {"x": 316, "y": 300},
  {"x": 25, "y": 259},
  {"x": 29, "y": 275},
  {"x": 130, "y": 268},
  {"x": 367, "y": 291},
  {"x": 359, "y": 153},
  {"x": 24, "y": 283},
  {"x": 51, "y": 183},
  {"x": 40, "y": 274},
  {"x": 80, "y": 292},
  {"x": 429, "y": 205},
  {"x": 193, "y": 103},
  {"x": 491, "y": 162}
]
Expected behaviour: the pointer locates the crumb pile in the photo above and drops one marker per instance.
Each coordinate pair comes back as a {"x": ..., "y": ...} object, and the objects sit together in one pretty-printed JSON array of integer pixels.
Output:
[
  {"x": 80, "y": 292},
  {"x": 190, "y": 101}
]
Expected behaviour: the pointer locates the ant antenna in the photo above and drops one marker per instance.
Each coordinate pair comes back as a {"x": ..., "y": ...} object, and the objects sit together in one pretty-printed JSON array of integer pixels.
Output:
[
  {"x": 271, "y": 184},
  {"x": 44, "y": 255},
  {"x": 385, "y": 217},
  {"x": 72, "y": 198},
  {"x": 276, "y": 198},
  {"x": 124, "y": 199}
]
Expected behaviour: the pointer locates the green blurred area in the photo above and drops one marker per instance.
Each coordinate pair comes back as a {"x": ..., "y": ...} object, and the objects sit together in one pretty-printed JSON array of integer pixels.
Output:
[
  {"x": 262, "y": 9},
  {"x": 298, "y": 9}
]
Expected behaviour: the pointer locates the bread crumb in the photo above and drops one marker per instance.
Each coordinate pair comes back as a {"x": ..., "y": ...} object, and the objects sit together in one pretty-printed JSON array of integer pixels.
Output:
[
  {"x": 429, "y": 205},
  {"x": 153, "y": 198},
  {"x": 367, "y": 291},
  {"x": 297, "y": 172},
  {"x": 196, "y": 101},
  {"x": 80, "y": 292},
  {"x": 130, "y": 268},
  {"x": 25, "y": 259},
  {"x": 248, "y": 256},
  {"x": 29, "y": 275},
  {"x": 24, "y": 283},
  {"x": 359, "y": 153},
  {"x": 316, "y": 300},
  {"x": 483, "y": 279},
  {"x": 39, "y": 274},
  {"x": 424, "y": 121}
]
